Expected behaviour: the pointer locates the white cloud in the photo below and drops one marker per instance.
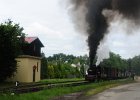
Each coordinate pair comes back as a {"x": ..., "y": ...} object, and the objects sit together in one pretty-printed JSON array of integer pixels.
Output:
[
  {"x": 37, "y": 29},
  {"x": 52, "y": 24},
  {"x": 56, "y": 41},
  {"x": 47, "y": 20}
]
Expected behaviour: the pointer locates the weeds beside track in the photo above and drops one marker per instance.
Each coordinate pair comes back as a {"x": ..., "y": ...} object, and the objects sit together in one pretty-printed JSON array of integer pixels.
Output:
[{"x": 34, "y": 87}]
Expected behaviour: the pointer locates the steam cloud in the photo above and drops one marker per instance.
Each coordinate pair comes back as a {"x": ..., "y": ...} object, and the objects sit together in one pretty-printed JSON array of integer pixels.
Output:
[{"x": 97, "y": 14}]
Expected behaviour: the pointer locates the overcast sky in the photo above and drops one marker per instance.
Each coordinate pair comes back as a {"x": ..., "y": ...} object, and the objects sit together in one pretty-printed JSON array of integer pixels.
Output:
[{"x": 49, "y": 20}]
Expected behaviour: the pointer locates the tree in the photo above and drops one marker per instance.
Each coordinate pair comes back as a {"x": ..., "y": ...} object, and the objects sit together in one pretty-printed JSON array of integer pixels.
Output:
[
  {"x": 44, "y": 68},
  {"x": 115, "y": 61},
  {"x": 11, "y": 36},
  {"x": 57, "y": 71},
  {"x": 135, "y": 64},
  {"x": 62, "y": 64},
  {"x": 82, "y": 70},
  {"x": 50, "y": 72}
]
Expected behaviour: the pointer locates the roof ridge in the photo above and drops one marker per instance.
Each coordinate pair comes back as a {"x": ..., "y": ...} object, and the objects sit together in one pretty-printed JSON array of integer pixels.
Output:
[{"x": 30, "y": 39}]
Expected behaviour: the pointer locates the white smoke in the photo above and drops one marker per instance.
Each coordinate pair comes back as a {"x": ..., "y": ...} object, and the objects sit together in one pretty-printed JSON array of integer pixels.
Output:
[{"x": 102, "y": 52}]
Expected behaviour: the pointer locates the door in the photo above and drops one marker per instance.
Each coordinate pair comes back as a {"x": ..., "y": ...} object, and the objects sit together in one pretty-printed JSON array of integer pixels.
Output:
[{"x": 34, "y": 69}]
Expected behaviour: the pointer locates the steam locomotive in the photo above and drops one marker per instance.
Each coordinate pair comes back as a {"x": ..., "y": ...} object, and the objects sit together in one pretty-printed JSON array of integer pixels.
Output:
[{"x": 97, "y": 73}]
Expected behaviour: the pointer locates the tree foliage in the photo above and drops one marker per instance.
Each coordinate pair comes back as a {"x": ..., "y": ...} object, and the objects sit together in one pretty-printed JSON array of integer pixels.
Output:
[
  {"x": 60, "y": 65},
  {"x": 44, "y": 68},
  {"x": 51, "y": 72},
  {"x": 116, "y": 61},
  {"x": 10, "y": 47},
  {"x": 63, "y": 68},
  {"x": 135, "y": 64}
]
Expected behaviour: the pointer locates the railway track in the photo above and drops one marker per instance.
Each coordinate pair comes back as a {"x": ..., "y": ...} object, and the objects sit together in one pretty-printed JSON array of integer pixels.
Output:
[{"x": 40, "y": 86}]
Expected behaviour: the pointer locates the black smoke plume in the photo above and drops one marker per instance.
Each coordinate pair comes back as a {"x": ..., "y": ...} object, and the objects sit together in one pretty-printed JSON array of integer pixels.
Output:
[
  {"x": 98, "y": 23},
  {"x": 130, "y": 9}
]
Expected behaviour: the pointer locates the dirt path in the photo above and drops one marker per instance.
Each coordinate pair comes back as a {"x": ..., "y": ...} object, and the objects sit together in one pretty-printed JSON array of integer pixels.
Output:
[
  {"x": 118, "y": 93},
  {"x": 125, "y": 92}
]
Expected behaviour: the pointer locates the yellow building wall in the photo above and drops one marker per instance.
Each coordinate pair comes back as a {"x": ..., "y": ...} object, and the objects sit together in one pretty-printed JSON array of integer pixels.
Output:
[{"x": 25, "y": 69}]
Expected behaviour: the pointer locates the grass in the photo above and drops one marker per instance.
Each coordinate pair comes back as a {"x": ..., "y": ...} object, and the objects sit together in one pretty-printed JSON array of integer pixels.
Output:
[
  {"x": 106, "y": 85},
  {"x": 6, "y": 84},
  {"x": 60, "y": 80},
  {"x": 91, "y": 89},
  {"x": 9, "y": 84},
  {"x": 45, "y": 94}
]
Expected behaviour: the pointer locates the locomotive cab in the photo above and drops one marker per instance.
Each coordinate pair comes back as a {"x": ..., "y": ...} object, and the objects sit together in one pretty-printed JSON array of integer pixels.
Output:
[{"x": 92, "y": 74}]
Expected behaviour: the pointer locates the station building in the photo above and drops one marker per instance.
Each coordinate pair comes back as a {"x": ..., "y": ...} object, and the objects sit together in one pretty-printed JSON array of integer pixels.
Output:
[{"x": 29, "y": 63}]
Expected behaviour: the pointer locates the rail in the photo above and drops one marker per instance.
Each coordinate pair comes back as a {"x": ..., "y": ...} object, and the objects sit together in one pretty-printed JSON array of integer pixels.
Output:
[{"x": 39, "y": 86}]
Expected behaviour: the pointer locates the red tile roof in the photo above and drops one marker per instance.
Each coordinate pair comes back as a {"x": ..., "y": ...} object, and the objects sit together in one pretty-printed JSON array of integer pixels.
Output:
[{"x": 30, "y": 39}]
